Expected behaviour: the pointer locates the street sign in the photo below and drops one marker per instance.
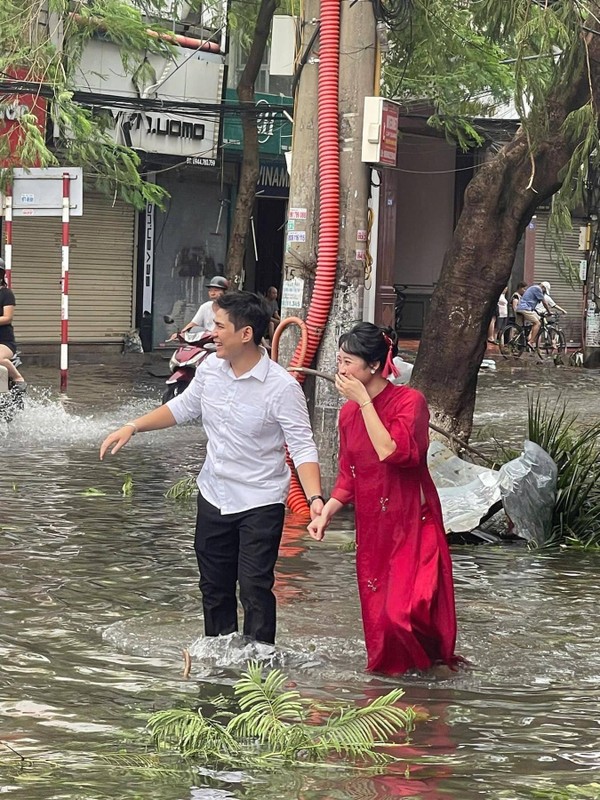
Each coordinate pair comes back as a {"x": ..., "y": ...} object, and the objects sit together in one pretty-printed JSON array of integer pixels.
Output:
[{"x": 38, "y": 192}]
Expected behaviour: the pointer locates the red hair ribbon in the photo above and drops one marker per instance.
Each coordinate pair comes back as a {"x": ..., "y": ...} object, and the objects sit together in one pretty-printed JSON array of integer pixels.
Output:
[{"x": 389, "y": 368}]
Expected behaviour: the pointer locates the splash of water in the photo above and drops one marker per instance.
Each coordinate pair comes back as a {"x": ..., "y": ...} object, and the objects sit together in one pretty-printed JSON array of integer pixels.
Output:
[{"x": 54, "y": 420}]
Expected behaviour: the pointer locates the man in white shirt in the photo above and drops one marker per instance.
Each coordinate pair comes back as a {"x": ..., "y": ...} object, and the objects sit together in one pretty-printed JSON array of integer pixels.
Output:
[
  {"x": 251, "y": 408},
  {"x": 204, "y": 318}
]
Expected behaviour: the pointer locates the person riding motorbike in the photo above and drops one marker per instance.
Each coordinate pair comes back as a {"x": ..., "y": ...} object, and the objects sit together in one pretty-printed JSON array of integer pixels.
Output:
[
  {"x": 8, "y": 346},
  {"x": 204, "y": 318}
]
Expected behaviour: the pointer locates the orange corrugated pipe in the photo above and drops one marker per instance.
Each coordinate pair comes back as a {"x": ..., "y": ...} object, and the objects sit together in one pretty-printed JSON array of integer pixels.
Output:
[
  {"x": 296, "y": 499},
  {"x": 329, "y": 208},
  {"x": 329, "y": 182}
]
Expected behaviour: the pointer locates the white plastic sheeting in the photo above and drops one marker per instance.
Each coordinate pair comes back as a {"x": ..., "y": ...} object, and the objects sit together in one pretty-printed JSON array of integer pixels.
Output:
[{"x": 467, "y": 491}]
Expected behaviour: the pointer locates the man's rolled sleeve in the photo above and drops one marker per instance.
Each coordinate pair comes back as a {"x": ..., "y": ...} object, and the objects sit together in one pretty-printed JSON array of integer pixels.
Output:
[
  {"x": 292, "y": 415},
  {"x": 188, "y": 405}
]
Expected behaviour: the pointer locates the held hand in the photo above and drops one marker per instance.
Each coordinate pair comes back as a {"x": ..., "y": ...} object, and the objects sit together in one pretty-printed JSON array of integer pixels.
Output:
[
  {"x": 351, "y": 388},
  {"x": 172, "y": 337},
  {"x": 317, "y": 528},
  {"x": 116, "y": 440},
  {"x": 316, "y": 507}
]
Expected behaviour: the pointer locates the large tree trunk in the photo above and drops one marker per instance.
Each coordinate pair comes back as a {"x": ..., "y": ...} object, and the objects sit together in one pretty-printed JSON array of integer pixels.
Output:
[
  {"x": 250, "y": 155},
  {"x": 499, "y": 204}
]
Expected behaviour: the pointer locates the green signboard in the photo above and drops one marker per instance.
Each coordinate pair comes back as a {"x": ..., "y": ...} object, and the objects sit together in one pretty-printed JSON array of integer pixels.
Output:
[{"x": 274, "y": 131}]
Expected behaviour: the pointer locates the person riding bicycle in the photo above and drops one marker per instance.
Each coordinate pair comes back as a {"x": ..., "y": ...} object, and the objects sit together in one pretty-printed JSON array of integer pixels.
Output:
[
  {"x": 527, "y": 305},
  {"x": 553, "y": 305}
]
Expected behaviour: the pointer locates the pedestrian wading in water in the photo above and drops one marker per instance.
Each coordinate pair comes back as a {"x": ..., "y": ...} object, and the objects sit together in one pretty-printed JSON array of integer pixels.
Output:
[
  {"x": 251, "y": 409},
  {"x": 403, "y": 562}
]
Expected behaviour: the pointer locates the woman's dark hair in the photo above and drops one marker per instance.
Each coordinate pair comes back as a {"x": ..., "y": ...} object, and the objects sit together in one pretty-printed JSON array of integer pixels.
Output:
[
  {"x": 246, "y": 308},
  {"x": 2, "y": 275},
  {"x": 369, "y": 342}
]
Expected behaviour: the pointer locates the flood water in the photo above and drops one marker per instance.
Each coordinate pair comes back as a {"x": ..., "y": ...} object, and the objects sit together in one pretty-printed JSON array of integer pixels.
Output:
[{"x": 98, "y": 596}]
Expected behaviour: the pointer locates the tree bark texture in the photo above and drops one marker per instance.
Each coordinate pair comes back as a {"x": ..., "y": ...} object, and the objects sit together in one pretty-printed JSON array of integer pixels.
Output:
[
  {"x": 250, "y": 154},
  {"x": 499, "y": 204}
]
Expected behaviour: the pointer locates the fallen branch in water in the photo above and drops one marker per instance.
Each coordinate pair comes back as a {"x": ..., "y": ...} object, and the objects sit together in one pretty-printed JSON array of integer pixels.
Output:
[{"x": 187, "y": 663}]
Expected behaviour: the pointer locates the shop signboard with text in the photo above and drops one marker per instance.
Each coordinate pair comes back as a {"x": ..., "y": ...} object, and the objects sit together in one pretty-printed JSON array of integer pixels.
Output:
[
  {"x": 189, "y": 76},
  {"x": 274, "y": 129},
  {"x": 14, "y": 108}
]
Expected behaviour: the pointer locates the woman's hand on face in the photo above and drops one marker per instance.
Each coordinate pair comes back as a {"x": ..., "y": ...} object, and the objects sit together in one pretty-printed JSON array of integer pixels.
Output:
[
  {"x": 317, "y": 528},
  {"x": 351, "y": 388}
]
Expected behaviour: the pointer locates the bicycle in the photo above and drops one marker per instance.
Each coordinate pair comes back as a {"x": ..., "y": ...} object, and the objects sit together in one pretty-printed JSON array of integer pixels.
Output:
[{"x": 549, "y": 342}]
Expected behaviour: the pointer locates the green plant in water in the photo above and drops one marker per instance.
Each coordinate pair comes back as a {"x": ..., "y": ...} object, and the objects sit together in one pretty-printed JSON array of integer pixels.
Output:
[
  {"x": 91, "y": 492},
  {"x": 575, "y": 450},
  {"x": 570, "y": 792},
  {"x": 127, "y": 488},
  {"x": 275, "y": 726},
  {"x": 184, "y": 489}
]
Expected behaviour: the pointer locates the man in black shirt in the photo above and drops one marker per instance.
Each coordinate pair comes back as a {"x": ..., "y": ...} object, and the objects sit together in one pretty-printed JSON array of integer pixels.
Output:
[{"x": 8, "y": 346}]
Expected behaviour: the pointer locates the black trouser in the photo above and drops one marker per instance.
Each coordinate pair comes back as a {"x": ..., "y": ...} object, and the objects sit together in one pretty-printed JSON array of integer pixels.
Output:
[{"x": 238, "y": 548}]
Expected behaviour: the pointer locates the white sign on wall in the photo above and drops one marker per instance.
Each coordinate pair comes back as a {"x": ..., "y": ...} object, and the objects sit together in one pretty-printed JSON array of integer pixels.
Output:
[
  {"x": 292, "y": 294},
  {"x": 37, "y": 192}
]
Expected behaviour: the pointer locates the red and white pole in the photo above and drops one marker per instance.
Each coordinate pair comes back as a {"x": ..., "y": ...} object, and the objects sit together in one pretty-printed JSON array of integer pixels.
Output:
[
  {"x": 8, "y": 233},
  {"x": 64, "y": 305}
]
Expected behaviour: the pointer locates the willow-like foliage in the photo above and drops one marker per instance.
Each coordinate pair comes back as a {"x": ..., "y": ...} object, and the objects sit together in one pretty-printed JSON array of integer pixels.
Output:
[
  {"x": 275, "y": 726},
  {"x": 42, "y": 42},
  {"x": 459, "y": 62}
]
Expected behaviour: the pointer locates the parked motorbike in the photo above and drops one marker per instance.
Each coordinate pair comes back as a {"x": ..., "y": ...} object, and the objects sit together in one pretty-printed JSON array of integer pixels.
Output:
[
  {"x": 193, "y": 349},
  {"x": 11, "y": 399}
]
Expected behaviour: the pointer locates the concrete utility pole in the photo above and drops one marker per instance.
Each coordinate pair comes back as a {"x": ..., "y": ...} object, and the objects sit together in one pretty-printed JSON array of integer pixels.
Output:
[{"x": 357, "y": 75}]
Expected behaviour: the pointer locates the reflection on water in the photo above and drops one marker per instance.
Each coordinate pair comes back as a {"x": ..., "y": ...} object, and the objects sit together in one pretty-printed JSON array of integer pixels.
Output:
[{"x": 99, "y": 596}]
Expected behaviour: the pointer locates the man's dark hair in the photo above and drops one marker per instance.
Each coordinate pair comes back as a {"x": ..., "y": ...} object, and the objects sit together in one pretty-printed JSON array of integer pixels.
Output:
[
  {"x": 522, "y": 285},
  {"x": 246, "y": 308}
]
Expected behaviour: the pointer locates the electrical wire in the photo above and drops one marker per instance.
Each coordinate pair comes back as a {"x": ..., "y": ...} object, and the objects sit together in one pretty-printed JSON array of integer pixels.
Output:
[{"x": 12, "y": 86}]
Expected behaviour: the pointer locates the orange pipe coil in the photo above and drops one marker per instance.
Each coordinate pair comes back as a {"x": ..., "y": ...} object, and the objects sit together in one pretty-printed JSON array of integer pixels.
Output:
[{"x": 296, "y": 499}]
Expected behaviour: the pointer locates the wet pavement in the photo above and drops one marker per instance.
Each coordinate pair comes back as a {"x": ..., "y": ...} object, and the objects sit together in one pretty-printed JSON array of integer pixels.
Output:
[{"x": 98, "y": 593}]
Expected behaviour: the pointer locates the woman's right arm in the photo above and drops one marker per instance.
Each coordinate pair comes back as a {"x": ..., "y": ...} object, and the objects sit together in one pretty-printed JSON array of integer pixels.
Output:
[
  {"x": 319, "y": 524},
  {"x": 342, "y": 493},
  {"x": 7, "y": 315}
]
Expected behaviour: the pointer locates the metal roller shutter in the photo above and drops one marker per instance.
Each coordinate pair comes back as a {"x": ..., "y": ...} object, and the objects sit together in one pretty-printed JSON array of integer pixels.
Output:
[
  {"x": 101, "y": 274},
  {"x": 547, "y": 268}
]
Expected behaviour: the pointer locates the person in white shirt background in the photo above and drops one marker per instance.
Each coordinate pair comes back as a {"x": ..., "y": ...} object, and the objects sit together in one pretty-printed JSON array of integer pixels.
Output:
[
  {"x": 500, "y": 318},
  {"x": 204, "y": 318},
  {"x": 553, "y": 305},
  {"x": 251, "y": 408}
]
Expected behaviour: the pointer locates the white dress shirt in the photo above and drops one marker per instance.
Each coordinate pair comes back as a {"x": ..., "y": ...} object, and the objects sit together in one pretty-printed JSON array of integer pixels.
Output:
[
  {"x": 248, "y": 420},
  {"x": 204, "y": 318}
]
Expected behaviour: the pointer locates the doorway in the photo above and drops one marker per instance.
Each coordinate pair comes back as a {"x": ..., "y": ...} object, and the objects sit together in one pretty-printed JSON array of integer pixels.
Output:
[{"x": 270, "y": 238}]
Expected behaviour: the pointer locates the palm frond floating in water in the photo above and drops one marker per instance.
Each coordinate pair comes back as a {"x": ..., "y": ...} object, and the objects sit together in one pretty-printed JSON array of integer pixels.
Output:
[{"x": 276, "y": 726}]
